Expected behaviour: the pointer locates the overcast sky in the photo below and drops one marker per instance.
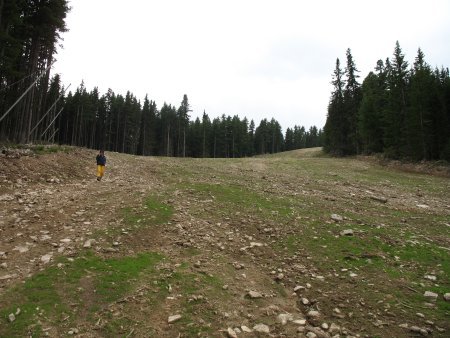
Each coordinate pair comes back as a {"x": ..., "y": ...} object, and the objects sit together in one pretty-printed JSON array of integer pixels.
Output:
[{"x": 253, "y": 58}]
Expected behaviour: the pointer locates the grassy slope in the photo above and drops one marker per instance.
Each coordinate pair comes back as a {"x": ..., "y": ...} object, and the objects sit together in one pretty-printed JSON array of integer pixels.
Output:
[{"x": 395, "y": 245}]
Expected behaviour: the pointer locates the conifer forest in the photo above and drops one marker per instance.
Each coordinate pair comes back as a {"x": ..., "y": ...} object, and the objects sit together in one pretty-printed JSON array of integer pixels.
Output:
[
  {"x": 398, "y": 110},
  {"x": 401, "y": 111},
  {"x": 47, "y": 112}
]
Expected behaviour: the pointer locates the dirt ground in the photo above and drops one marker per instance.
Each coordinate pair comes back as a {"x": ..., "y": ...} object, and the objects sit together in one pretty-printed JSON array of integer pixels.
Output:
[{"x": 238, "y": 247}]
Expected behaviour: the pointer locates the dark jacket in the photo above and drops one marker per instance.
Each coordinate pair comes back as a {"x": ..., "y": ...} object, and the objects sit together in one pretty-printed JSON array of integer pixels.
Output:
[{"x": 101, "y": 159}]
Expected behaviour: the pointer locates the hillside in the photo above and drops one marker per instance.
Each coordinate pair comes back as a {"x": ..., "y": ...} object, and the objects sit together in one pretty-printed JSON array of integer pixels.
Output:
[{"x": 296, "y": 244}]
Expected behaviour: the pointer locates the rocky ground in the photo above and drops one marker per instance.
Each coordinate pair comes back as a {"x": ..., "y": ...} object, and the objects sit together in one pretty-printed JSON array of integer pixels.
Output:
[{"x": 293, "y": 245}]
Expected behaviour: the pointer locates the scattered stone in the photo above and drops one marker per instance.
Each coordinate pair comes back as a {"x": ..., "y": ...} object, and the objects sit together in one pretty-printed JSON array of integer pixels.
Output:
[
  {"x": 246, "y": 329},
  {"x": 379, "y": 199},
  {"x": 430, "y": 296},
  {"x": 325, "y": 326},
  {"x": 66, "y": 240},
  {"x": 420, "y": 330},
  {"x": 279, "y": 277},
  {"x": 225, "y": 287},
  {"x": 347, "y": 232},
  {"x": 301, "y": 329},
  {"x": 284, "y": 318},
  {"x": 430, "y": 277},
  {"x": 255, "y": 244},
  {"x": 238, "y": 266},
  {"x": 73, "y": 331},
  {"x": 21, "y": 248},
  {"x": 305, "y": 301},
  {"x": 231, "y": 333},
  {"x": 299, "y": 288},
  {"x": 447, "y": 297},
  {"x": 422, "y": 206},
  {"x": 173, "y": 319},
  {"x": 353, "y": 275},
  {"x": 334, "y": 329},
  {"x": 313, "y": 314},
  {"x": 6, "y": 277},
  {"x": 254, "y": 294},
  {"x": 300, "y": 322},
  {"x": 88, "y": 243},
  {"x": 197, "y": 264},
  {"x": 421, "y": 315},
  {"x": 4, "y": 265},
  {"x": 46, "y": 258},
  {"x": 337, "y": 218},
  {"x": 311, "y": 335},
  {"x": 11, "y": 317},
  {"x": 261, "y": 328}
]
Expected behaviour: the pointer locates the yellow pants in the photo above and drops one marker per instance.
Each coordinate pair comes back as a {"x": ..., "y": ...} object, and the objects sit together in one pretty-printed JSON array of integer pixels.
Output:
[{"x": 100, "y": 171}]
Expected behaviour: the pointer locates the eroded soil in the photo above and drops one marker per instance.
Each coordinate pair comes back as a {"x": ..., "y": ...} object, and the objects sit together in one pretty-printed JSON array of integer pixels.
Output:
[{"x": 227, "y": 244}]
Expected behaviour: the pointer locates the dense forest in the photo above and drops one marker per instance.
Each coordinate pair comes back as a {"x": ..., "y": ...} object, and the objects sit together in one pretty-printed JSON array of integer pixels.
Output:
[
  {"x": 401, "y": 111},
  {"x": 29, "y": 33},
  {"x": 35, "y": 107},
  {"x": 123, "y": 124}
]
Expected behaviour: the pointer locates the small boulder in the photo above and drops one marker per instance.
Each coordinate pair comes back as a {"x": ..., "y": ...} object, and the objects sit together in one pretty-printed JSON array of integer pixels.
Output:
[
  {"x": 261, "y": 328},
  {"x": 254, "y": 294},
  {"x": 337, "y": 218},
  {"x": 430, "y": 296},
  {"x": 347, "y": 232},
  {"x": 447, "y": 297},
  {"x": 174, "y": 318}
]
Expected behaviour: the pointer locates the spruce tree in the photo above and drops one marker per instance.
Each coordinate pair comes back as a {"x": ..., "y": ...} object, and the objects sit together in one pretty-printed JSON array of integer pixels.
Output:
[
  {"x": 352, "y": 99},
  {"x": 335, "y": 124},
  {"x": 395, "y": 113}
]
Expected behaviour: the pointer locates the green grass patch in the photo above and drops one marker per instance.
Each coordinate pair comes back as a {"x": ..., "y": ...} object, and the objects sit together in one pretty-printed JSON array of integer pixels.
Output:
[
  {"x": 153, "y": 212},
  {"x": 235, "y": 197},
  {"x": 194, "y": 308},
  {"x": 49, "y": 294}
]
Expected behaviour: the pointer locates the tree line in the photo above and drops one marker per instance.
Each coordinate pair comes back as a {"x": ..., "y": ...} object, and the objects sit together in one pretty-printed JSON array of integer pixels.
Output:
[
  {"x": 122, "y": 123},
  {"x": 34, "y": 107},
  {"x": 401, "y": 111}
]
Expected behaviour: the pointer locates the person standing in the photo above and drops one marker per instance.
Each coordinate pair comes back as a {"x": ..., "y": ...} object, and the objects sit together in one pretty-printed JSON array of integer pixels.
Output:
[{"x": 101, "y": 162}]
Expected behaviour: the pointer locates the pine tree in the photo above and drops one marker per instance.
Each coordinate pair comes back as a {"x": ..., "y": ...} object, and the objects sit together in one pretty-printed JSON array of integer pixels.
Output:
[
  {"x": 335, "y": 124},
  {"x": 395, "y": 114},
  {"x": 371, "y": 110},
  {"x": 183, "y": 122},
  {"x": 352, "y": 99}
]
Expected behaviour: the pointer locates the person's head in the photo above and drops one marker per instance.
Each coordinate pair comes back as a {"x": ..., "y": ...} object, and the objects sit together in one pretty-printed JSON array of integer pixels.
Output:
[{"x": 102, "y": 151}]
